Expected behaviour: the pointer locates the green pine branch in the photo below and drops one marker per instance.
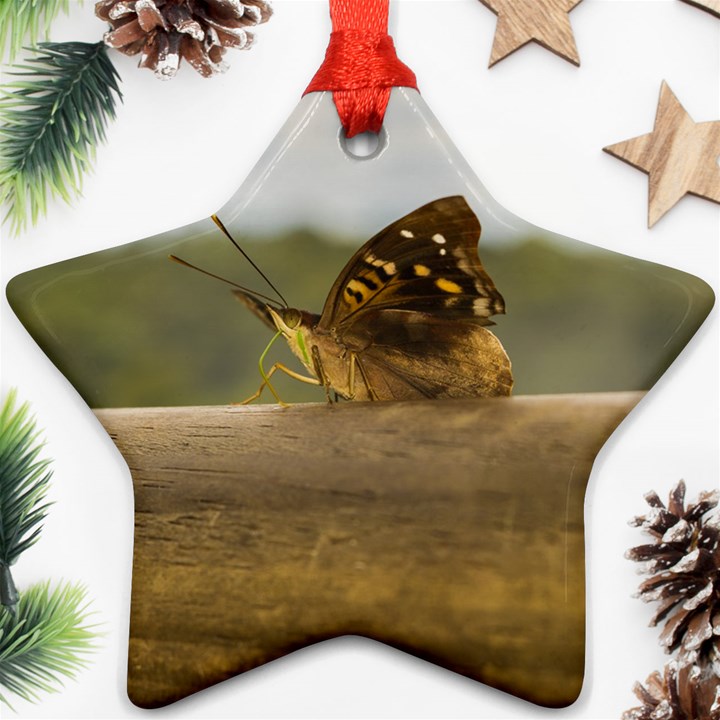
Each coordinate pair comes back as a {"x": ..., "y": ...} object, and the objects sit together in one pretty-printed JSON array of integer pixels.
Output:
[
  {"x": 50, "y": 123},
  {"x": 46, "y": 640},
  {"x": 25, "y": 22},
  {"x": 23, "y": 484}
]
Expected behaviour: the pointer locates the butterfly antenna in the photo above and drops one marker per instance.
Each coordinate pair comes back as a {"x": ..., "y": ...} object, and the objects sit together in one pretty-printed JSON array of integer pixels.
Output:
[
  {"x": 222, "y": 227},
  {"x": 180, "y": 261}
]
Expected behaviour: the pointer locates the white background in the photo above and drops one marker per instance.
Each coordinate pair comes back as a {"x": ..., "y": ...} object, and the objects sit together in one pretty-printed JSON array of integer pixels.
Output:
[{"x": 532, "y": 128}]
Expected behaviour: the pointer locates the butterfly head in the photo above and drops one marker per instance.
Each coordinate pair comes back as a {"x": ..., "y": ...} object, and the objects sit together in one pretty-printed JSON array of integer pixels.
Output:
[
  {"x": 295, "y": 325},
  {"x": 287, "y": 320}
]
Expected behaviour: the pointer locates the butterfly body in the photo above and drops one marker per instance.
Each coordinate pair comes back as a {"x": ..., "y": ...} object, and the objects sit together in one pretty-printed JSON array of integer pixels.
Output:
[{"x": 406, "y": 318}]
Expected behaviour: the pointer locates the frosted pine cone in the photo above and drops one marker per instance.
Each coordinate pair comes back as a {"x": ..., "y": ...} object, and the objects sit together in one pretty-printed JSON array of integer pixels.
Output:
[
  {"x": 680, "y": 693},
  {"x": 168, "y": 31},
  {"x": 683, "y": 563}
]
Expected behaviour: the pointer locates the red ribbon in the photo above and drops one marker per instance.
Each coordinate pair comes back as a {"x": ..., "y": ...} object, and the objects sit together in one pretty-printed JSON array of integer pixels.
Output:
[{"x": 360, "y": 65}]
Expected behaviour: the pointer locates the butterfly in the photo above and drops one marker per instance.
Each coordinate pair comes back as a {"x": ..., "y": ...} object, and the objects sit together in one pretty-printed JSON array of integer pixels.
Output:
[{"x": 406, "y": 318}]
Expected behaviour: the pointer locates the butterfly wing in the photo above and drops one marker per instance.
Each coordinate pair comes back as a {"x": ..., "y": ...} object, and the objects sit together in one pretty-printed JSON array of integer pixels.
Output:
[
  {"x": 427, "y": 261},
  {"x": 407, "y": 355},
  {"x": 256, "y": 307}
]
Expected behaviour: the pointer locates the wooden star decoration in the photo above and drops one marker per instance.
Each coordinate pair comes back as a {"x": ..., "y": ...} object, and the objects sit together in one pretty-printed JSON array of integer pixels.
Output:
[
  {"x": 545, "y": 22},
  {"x": 712, "y": 6},
  {"x": 679, "y": 155}
]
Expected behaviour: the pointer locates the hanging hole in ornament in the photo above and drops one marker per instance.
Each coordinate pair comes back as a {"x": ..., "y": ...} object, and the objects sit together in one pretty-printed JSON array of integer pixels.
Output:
[{"x": 363, "y": 146}]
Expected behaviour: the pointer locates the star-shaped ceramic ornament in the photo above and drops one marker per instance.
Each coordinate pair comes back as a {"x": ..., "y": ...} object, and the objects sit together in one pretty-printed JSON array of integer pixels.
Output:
[
  {"x": 545, "y": 22},
  {"x": 449, "y": 528},
  {"x": 680, "y": 156}
]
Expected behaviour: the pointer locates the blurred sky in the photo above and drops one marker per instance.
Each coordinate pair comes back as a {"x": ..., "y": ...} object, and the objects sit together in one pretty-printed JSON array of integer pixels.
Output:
[{"x": 342, "y": 197}]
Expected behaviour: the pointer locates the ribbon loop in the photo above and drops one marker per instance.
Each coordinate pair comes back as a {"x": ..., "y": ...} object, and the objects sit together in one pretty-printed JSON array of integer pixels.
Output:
[{"x": 361, "y": 65}]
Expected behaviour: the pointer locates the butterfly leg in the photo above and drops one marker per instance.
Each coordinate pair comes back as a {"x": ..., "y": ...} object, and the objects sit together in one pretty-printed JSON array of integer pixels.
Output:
[
  {"x": 320, "y": 371},
  {"x": 266, "y": 383},
  {"x": 277, "y": 366},
  {"x": 354, "y": 361},
  {"x": 351, "y": 377}
]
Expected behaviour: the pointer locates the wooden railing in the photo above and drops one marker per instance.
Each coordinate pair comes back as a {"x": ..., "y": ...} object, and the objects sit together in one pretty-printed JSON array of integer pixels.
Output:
[{"x": 450, "y": 529}]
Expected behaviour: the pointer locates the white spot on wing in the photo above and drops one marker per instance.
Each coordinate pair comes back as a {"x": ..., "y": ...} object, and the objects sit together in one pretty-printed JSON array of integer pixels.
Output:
[
  {"x": 386, "y": 265},
  {"x": 481, "y": 306},
  {"x": 481, "y": 288},
  {"x": 406, "y": 233},
  {"x": 439, "y": 239},
  {"x": 443, "y": 251}
]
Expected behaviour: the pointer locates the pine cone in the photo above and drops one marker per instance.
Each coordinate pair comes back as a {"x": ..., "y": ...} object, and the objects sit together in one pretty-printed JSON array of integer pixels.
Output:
[
  {"x": 684, "y": 567},
  {"x": 167, "y": 31},
  {"x": 680, "y": 693}
]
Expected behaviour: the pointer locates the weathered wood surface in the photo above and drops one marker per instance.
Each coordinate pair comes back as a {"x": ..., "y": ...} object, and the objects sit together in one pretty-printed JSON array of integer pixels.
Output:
[{"x": 450, "y": 529}]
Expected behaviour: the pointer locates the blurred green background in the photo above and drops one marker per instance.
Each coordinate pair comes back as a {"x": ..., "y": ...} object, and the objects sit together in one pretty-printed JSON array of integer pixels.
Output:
[{"x": 128, "y": 327}]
